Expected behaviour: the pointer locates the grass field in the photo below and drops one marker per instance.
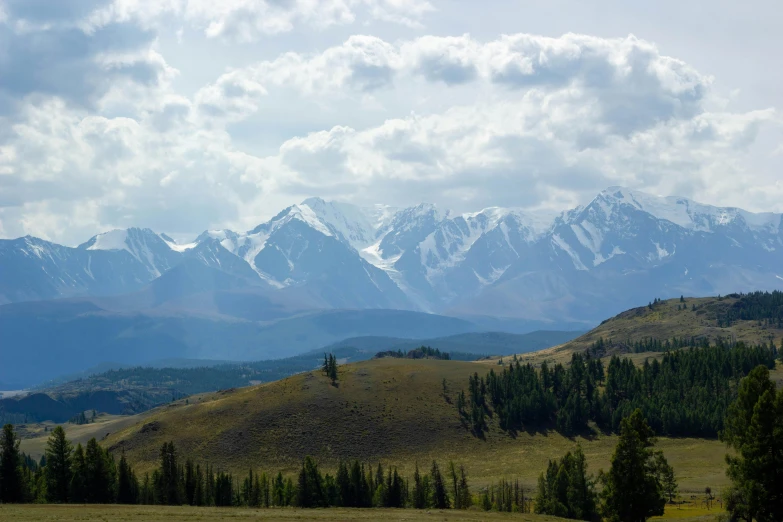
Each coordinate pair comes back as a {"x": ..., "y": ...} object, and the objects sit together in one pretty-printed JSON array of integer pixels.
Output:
[
  {"x": 392, "y": 410},
  {"x": 68, "y": 513}
]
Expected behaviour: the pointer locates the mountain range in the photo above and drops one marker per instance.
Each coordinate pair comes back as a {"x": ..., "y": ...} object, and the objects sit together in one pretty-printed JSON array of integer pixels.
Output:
[
  {"x": 319, "y": 272},
  {"x": 623, "y": 248}
]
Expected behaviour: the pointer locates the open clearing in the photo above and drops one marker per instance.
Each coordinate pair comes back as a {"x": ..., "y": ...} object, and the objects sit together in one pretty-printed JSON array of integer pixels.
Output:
[{"x": 68, "y": 513}]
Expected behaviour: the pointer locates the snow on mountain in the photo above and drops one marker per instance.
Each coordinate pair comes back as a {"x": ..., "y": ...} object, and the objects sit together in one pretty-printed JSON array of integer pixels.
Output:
[
  {"x": 147, "y": 247},
  {"x": 686, "y": 213},
  {"x": 498, "y": 259}
]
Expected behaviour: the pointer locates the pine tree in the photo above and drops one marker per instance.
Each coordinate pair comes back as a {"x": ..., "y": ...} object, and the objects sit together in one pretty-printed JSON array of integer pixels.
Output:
[
  {"x": 419, "y": 490},
  {"x": 11, "y": 490},
  {"x": 167, "y": 485},
  {"x": 566, "y": 490},
  {"x": 127, "y": 487},
  {"x": 754, "y": 428},
  {"x": 632, "y": 490},
  {"x": 58, "y": 466},
  {"x": 463, "y": 491},
  {"x": 454, "y": 485},
  {"x": 100, "y": 474},
  {"x": 78, "y": 488},
  {"x": 310, "y": 490},
  {"x": 333, "y": 368},
  {"x": 440, "y": 497}
]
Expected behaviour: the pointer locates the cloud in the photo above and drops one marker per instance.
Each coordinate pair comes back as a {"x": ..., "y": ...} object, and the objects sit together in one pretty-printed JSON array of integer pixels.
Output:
[
  {"x": 46, "y": 50},
  {"x": 627, "y": 79},
  {"x": 96, "y": 134},
  {"x": 247, "y": 20}
]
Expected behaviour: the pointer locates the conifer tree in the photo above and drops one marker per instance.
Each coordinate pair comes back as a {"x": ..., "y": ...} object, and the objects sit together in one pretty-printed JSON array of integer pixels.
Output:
[
  {"x": 310, "y": 488},
  {"x": 167, "y": 485},
  {"x": 632, "y": 487},
  {"x": 58, "y": 466},
  {"x": 420, "y": 492},
  {"x": 127, "y": 486},
  {"x": 100, "y": 474},
  {"x": 440, "y": 497},
  {"x": 78, "y": 488},
  {"x": 463, "y": 491},
  {"x": 754, "y": 428},
  {"x": 11, "y": 489}
]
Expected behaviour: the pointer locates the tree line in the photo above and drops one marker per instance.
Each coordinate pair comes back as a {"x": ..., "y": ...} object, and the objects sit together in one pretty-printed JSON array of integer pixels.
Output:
[
  {"x": 763, "y": 307},
  {"x": 686, "y": 393},
  {"x": 422, "y": 352},
  {"x": 636, "y": 482}
]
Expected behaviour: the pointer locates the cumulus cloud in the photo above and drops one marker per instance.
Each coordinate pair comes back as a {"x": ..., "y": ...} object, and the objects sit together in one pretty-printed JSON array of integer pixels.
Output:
[
  {"x": 95, "y": 133},
  {"x": 633, "y": 85}
]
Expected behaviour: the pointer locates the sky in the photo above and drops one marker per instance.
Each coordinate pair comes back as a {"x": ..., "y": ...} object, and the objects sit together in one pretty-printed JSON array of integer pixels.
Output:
[{"x": 186, "y": 115}]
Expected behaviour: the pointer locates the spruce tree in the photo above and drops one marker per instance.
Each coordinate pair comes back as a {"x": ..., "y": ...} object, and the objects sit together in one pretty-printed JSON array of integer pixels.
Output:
[
  {"x": 440, "y": 497},
  {"x": 78, "y": 488},
  {"x": 632, "y": 489},
  {"x": 754, "y": 428},
  {"x": 11, "y": 490},
  {"x": 127, "y": 488},
  {"x": 463, "y": 491},
  {"x": 419, "y": 490},
  {"x": 100, "y": 474},
  {"x": 310, "y": 489},
  {"x": 58, "y": 466}
]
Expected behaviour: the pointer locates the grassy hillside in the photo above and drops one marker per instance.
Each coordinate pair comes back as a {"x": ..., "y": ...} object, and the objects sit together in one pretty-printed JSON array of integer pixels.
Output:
[
  {"x": 389, "y": 409},
  {"x": 664, "y": 321}
]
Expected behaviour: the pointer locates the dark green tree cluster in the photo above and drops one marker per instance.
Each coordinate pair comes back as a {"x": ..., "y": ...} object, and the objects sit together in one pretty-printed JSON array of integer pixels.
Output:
[
  {"x": 686, "y": 393},
  {"x": 476, "y": 416},
  {"x": 525, "y": 397},
  {"x": 566, "y": 490},
  {"x": 649, "y": 344},
  {"x": 754, "y": 428},
  {"x": 86, "y": 474},
  {"x": 355, "y": 485},
  {"x": 422, "y": 352},
  {"x": 763, "y": 307},
  {"x": 173, "y": 483},
  {"x": 505, "y": 496},
  {"x": 93, "y": 475},
  {"x": 330, "y": 367}
]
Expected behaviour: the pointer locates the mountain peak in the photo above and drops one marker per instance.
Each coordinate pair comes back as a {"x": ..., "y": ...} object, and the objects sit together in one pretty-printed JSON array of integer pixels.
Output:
[{"x": 684, "y": 212}]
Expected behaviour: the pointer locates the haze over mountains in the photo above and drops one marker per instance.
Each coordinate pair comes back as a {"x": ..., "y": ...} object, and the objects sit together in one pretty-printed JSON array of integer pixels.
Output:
[{"x": 319, "y": 272}]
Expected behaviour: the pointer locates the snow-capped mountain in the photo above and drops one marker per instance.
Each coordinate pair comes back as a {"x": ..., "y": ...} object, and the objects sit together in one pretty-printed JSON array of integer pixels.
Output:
[
  {"x": 145, "y": 246},
  {"x": 623, "y": 248}
]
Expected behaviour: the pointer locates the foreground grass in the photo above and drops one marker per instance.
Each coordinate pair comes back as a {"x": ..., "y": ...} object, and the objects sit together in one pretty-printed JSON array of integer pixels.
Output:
[{"x": 69, "y": 513}]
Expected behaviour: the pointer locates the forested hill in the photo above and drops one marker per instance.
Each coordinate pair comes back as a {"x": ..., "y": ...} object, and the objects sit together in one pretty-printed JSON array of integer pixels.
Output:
[
  {"x": 755, "y": 318},
  {"x": 686, "y": 393}
]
